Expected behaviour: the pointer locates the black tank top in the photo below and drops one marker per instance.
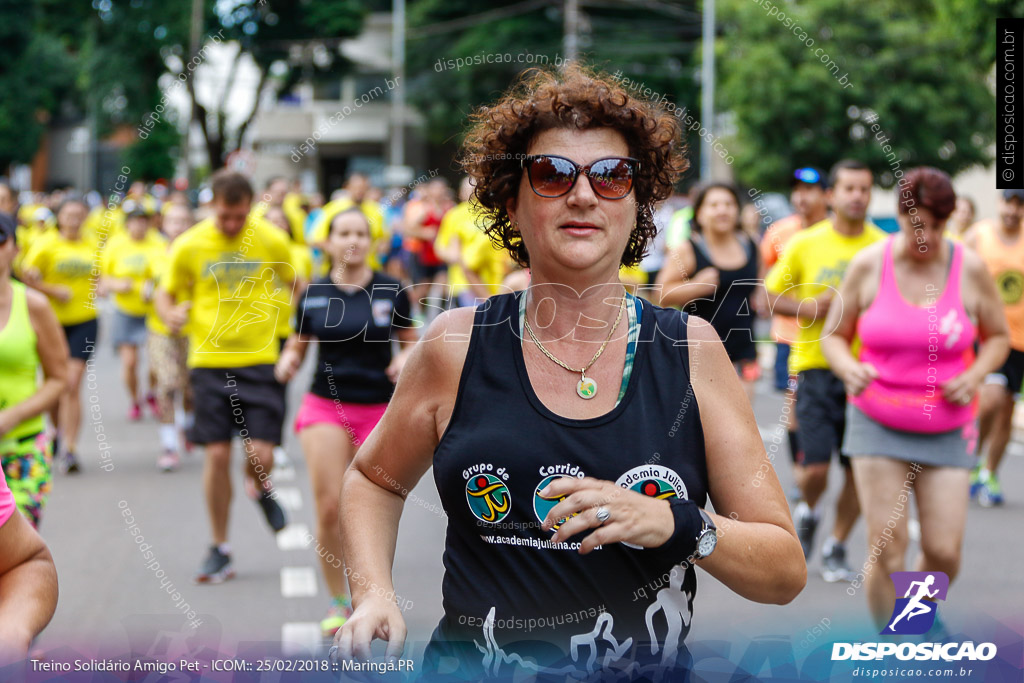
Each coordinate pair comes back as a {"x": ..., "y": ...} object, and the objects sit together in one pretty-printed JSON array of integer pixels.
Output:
[
  {"x": 500, "y": 448},
  {"x": 729, "y": 312}
]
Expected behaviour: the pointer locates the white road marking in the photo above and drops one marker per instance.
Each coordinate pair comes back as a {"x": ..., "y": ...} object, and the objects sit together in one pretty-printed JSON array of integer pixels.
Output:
[
  {"x": 289, "y": 497},
  {"x": 298, "y": 582},
  {"x": 293, "y": 537},
  {"x": 299, "y": 638}
]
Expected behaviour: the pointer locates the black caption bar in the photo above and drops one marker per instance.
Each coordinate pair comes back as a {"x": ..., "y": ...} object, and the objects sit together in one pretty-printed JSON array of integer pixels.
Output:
[{"x": 1009, "y": 104}]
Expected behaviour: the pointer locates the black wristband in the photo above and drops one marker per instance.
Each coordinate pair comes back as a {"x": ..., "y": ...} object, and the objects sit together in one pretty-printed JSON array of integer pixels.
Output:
[{"x": 682, "y": 544}]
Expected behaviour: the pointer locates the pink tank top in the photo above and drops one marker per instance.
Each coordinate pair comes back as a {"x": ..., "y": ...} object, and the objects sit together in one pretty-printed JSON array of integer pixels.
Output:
[
  {"x": 7, "y": 505},
  {"x": 915, "y": 350}
]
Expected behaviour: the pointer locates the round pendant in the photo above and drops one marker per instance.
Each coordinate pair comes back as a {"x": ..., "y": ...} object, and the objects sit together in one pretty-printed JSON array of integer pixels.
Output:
[{"x": 586, "y": 388}]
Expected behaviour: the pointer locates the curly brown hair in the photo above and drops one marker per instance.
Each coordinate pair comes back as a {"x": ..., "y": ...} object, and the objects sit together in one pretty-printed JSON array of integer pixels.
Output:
[{"x": 573, "y": 96}]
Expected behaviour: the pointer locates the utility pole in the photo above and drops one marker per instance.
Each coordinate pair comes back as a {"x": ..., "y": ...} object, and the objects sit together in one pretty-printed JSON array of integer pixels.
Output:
[
  {"x": 571, "y": 39},
  {"x": 707, "y": 87},
  {"x": 396, "y": 150},
  {"x": 196, "y": 34}
]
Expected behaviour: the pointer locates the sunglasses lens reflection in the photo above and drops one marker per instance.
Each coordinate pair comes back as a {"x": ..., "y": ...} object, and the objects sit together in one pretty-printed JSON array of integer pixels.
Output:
[
  {"x": 612, "y": 178},
  {"x": 550, "y": 176},
  {"x": 554, "y": 177}
]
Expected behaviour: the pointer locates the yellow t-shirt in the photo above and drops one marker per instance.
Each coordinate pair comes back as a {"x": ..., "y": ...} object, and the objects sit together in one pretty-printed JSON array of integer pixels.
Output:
[
  {"x": 155, "y": 269},
  {"x": 814, "y": 260},
  {"x": 68, "y": 264},
  {"x": 103, "y": 224},
  {"x": 124, "y": 257},
  {"x": 292, "y": 207},
  {"x": 233, "y": 285},
  {"x": 477, "y": 251},
  {"x": 374, "y": 217},
  {"x": 302, "y": 261},
  {"x": 453, "y": 226},
  {"x": 292, "y": 211},
  {"x": 26, "y": 237}
]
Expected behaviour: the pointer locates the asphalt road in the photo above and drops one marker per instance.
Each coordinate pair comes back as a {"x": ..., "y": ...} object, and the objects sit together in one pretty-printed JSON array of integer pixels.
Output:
[{"x": 113, "y": 599}]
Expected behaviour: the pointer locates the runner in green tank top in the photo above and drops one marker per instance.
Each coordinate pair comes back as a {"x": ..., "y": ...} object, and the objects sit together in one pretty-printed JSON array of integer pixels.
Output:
[{"x": 30, "y": 338}]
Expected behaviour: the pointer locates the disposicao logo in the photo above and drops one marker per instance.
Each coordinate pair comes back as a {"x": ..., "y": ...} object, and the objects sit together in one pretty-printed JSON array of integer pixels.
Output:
[{"x": 914, "y": 614}]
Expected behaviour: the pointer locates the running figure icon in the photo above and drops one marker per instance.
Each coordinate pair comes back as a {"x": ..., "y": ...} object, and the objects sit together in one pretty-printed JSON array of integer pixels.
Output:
[{"x": 917, "y": 588}]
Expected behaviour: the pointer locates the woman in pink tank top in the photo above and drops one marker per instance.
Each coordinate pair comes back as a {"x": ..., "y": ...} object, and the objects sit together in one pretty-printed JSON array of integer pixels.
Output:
[
  {"x": 914, "y": 304},
  {"x": 28, "y": 581}
]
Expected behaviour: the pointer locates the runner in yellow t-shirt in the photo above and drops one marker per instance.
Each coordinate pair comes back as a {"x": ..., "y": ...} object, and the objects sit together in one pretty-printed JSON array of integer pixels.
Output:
[
  {"x": 222, "y": 278},
  {"x": 302, "y": 260},
  {"x": 64, "y": 266},
  {"x": 807, "y": 195},
  {"x": 124, "y": 270},
  {"x": 475, "y": 267},
  {"x": 356, "y": 189},
  {"x": 168, "y": 353},
  {"x": 1000, "y": 244},
  {"x": 802, "y": 283},
  {"x": 276, "y": 194}
]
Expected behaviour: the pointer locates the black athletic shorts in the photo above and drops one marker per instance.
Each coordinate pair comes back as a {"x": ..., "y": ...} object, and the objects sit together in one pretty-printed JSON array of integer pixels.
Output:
[
  {"x": 82, "y": 338},
  {"x": 1012, "y": 372},
  {"x": 821, "y": 416},
  {"x": 420, "y": 272},
  {"x": 245, "y": 402}
]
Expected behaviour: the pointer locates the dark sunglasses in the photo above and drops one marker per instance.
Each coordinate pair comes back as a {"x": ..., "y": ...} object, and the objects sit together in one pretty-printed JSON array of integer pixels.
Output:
[{"x": 553, "y": 176}]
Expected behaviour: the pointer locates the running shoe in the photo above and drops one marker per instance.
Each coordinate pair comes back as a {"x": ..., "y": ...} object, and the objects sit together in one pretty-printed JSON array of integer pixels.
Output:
[
  {"x": 795, "y": 494},
  {"x": 168, "y": 461},
  {"x": 975, "y": 481},
  {"x": 216, "y": 568},
  {"x": 272, "y": 511},
  {"x": 69, "y": 463},
  {"x": 153, "y": 407},
  {"x": 337, "y": 614},
  {"x": 281, "y": 458},
  {"x": 135, "y": 414},
  {"x": 806, "y": 524},
  {"x": 834, "y": 567},
  {"x": 991, "y": 493}
]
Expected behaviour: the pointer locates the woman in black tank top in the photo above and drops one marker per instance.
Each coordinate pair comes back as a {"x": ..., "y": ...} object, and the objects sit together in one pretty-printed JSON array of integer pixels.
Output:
[
  {"x": 714, "y": 275},
  {"x": 575, "y": 433}
]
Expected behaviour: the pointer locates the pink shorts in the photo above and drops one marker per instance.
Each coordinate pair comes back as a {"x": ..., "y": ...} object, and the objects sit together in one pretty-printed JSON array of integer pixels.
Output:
[{"x": 358, "y": 419}]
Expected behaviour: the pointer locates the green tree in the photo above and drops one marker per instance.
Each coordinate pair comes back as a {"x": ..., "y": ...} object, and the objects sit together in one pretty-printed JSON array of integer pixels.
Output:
[
  {"x": 793, "y": 109},
  {"x": 35, "y": 74},
  {"x": 127, "y": 51},
  {"x": 973, "y": 24},
  {"x": 153, "y": 156},
  {"x": 651, "y": 43},
  {"x": 289, "y": 38}
]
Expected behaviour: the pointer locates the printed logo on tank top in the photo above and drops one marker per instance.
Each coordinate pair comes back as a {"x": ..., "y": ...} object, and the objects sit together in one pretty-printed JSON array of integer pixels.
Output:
[
  {"x": 1011, "y": 286},
  {"x": 951, "y": 327},
  {"x": 486, "y": 493},
  {"x": 382, "y": 309},
  {"x": 541, "y": 505},
  {"x": 654, "y": 481}
]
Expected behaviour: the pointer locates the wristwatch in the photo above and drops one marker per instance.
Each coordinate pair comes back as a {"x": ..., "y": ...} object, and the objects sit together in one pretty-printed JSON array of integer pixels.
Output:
[{"x": 707, "y": 538}]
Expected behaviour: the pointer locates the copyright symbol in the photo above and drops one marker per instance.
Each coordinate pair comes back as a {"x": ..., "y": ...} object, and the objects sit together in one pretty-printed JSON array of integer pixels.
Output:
[{"x": 1007, "y": 174}]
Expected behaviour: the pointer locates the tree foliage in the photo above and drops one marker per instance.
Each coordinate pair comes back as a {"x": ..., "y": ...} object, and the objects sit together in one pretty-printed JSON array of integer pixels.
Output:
[
  {"x": 35, "y": 74},
  {"x": 120, "y": 49},
  {"x": 792, "y": 108},
  {"x": 649, "y": 46}
]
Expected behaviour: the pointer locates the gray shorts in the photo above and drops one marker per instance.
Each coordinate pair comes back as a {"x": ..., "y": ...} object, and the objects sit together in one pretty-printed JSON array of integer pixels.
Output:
[
  {"x": 864, "y": 436},
  {"x": 128, "y": 329}
]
